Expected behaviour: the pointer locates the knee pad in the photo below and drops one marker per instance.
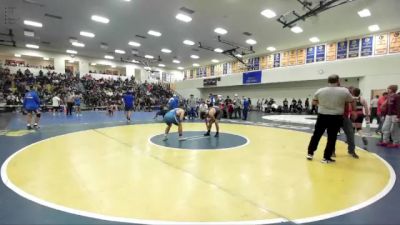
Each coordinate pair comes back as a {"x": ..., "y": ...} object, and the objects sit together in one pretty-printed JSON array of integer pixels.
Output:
[{"x": 38, "y": 115}]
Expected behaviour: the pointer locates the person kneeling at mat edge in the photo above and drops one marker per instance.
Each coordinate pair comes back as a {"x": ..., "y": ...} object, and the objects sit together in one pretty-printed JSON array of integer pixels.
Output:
[
  {"x": 213, "y": 115},
  {"x": 174, "y": 116}
]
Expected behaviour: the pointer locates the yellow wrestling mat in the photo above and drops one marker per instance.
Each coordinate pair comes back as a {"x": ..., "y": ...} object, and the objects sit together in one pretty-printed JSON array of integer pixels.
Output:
[{"x": 117, "y": 174}]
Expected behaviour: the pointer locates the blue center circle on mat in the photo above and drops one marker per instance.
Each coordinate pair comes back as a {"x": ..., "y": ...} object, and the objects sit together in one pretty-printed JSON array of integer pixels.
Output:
[{"x": 195, "y": 140}]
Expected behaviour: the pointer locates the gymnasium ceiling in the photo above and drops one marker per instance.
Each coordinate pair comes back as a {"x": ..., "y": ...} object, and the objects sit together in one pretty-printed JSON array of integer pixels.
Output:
[{"x": 137, "y": 17}]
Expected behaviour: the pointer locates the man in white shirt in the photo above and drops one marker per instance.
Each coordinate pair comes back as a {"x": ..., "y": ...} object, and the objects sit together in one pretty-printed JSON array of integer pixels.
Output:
[
  {"x": 56, "y": 102},
  {"x": 331, "y": 102},
  {"x": 374, "y": 109}
]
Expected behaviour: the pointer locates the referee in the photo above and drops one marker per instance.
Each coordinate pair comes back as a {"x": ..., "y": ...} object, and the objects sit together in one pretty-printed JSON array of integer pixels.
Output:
[{"x": 331, "y": 101}]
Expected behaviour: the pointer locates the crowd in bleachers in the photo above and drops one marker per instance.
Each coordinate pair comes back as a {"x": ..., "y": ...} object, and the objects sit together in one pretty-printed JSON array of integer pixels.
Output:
[{"x": 94, "y": 92}]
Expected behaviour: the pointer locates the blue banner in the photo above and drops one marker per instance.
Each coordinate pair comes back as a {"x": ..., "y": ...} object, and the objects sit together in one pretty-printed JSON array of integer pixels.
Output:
[
  {"x": 341, "y": 50},
  {"x": 354, "y": 48},
  {"x": 225, "y": 68},
  {"x": 252, "y": 77},
  {"x": 320, "y": 53},
  {"x": 277, "y": 60},
  {"x": 366, "y": 46},
  {"x": 310, "y": 55}
]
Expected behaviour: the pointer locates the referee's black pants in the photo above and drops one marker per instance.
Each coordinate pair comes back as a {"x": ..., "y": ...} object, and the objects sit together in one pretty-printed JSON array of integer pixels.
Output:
[{"x": 332, "y": 124}]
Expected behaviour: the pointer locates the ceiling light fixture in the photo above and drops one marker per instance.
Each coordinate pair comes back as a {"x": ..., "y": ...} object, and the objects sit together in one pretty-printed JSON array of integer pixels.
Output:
[
  {"x": 154, "y": 33},
  {"x": 314, "y": 39},
  {"x": 364, "y": 13},
  {"x": 196, "y": 65},
  {"x": 176, "y": 61},
  {"x": 166, "y": 50},
  {"x": 93, "y": 64},
  {"x": 251, "y": 41},
  {"x": 72, "y": 52},
  {"x": 100, "y": 19},
  {"x": 180, "y": 68},
  {"x": 119, "y": 51},
  {"x": 87, "y": 34},
  {"x": 194, "y": 57},
  {"x": 183, "y": 17},
  {"x": 32, "y": 46},
  {"x": 373, "y": 28},
  {"x": 220, "y": 30},
  {"x": 17, "y": 55},
  {"x": 109, "y": 57},
  {"x": 134, "y": 61},
  {"x": 149, "y": 57},
  {"x": 29, "y": 33},
  {"x": 215, "y": 61},
  {"x": 147, "y": 68},
  {"x": 78, "y": 44},
  {"x": 33, "y": 23},
  {"x": 218, "y": 50},
  {"x": 271, "y": 49},
  {"x": 161, "y": 65},
  {"x": 135, "y": 44},
  {"x": 113, "y": 66},
  {"x": 268, "y": 13},
  {"x": 296, "y": 29},
  {"x": 188, "y": 42},
  {"x": 46, "y": 59},
  {"x": 239, "y": 55}
]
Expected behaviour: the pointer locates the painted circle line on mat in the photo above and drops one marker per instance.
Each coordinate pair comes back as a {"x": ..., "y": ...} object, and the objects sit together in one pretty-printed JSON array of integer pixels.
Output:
[{"x": 195, "y": 140}]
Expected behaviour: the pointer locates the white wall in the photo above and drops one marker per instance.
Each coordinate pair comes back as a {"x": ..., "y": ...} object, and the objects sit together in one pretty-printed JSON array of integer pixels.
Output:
[
  {"x": 374, "y": 73},
  {"x": 277, "y": 91}
]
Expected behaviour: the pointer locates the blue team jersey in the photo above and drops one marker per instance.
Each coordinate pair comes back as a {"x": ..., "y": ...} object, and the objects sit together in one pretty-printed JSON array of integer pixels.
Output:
[
  {"x": 77, "y": 101},
  {"x": 128, "y": 100},
  {"x": 31, "y": 101},
  {"x": 246, "y": 104}
]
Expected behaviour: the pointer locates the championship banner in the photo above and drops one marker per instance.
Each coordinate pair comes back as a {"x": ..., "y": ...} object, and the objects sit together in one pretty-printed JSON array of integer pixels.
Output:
[
  {"x": 270, "y": 61},
  {"x": 331, "y": 52},
  {"x": 320, "y": 53},
  {"x": 212, "y": 70},
  {"x": 208, "y": 71},
  {"x": 285, "y": 59},
  {"x": 277, "y": 59},
  {"x": 341, "y": 50},
  {"x": 354, "y": 48},
  {"x": 252, "y": 77},
  {"x": 301, "y": 56},
  {"x": 292, "y": 57},
  {"x": 394, "y": 44},
  {"x": 381, "y": 44},
  {"x": 256, "y": 63},
  {"x": 366, "y": 46},
  {"x": 310, "y": 55},
  {"x": 263, "y": 62},
  {"x": 192, "y": 72},
  {"x": 211, "y": 82},
  {"x": 225, "y": 68}
]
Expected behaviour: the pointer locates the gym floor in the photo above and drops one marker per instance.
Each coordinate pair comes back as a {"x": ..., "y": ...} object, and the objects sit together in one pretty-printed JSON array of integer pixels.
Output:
[{"x": 96, "y": 169}]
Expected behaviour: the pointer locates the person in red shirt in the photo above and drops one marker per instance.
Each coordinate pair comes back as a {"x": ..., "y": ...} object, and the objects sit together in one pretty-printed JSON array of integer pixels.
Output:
[
  {"x": 381, "y": 114},
  {"x": 390, "y": 127}
]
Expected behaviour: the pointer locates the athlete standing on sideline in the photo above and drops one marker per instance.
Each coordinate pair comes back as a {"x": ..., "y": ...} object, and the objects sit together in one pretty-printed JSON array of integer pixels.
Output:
[
  {"x": 128, "y": 99},
  {"x": 174, "y": 116},
  {"x": 213, "y": 116},
  {"x": 362, "y": 112},
  {"x": 32, "y": 105},
  {"x": 77, "y": 103}
]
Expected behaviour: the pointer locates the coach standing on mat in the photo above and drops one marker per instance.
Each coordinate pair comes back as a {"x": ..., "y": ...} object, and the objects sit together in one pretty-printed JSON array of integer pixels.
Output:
[{"x": 331, "y": 101}]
